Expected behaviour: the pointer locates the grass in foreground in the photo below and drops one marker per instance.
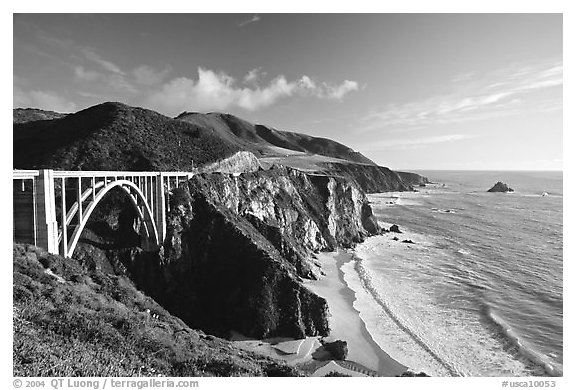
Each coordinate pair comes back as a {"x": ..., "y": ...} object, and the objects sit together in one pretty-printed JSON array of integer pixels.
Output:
[{"x": 68, "y": 321}]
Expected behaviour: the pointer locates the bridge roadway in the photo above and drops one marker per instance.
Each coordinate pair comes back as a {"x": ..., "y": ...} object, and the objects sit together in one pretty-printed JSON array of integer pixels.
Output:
[{"x": 51, "y": 208}]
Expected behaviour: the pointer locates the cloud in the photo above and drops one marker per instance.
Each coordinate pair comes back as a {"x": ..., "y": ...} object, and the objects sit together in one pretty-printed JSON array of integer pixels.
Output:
[
  {"x": 253, "y": 76},
  {"x": 218, "y": 91},
  {"x": 148, "y": 76},
  {"x": 473, "y": 97},
  {"x": 114, "y": 80},
  {"x": 113, "y": 76},
  {"x": 211, "y": 90},
  {"x": 253, "y": 19},
  {"x": 338, "y": 92},
  {"x": 86, "y": 75},
  {"x": 105, "y": 64},
  {"x": 45, "y": 100},
  {"x": 413, "y": 143}
]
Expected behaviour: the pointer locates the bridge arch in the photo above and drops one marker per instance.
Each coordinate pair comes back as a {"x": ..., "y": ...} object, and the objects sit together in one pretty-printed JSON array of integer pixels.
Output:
[{"x": 137, "y": 199}]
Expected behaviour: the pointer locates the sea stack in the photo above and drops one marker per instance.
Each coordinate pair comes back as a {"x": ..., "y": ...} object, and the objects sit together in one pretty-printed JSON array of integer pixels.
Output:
[{"x": 501, "y": 187}]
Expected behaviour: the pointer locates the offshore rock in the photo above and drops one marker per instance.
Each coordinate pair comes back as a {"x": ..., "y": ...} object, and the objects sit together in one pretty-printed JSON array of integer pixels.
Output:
[{"x": 500, "y": 187}]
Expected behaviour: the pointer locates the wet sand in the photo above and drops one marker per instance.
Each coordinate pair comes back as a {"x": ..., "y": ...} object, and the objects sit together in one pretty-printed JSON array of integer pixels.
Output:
[
  {"x": 365, "y": 358},
  {"x": 345, "y": 321}
]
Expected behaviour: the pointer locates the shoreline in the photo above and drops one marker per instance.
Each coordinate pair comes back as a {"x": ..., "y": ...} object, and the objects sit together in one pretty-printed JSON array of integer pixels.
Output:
[
  {"x": 345, "y": 321},
  {"x": 365, "y": 357}
]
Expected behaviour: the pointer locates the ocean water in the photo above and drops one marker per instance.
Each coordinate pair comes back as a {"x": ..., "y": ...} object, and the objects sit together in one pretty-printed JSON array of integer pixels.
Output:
[{"x": 479, "y": 292}]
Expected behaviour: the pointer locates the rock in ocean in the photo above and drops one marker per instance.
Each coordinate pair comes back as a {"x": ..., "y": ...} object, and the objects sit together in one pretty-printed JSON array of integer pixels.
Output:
[{"x": 501, "y": 187}]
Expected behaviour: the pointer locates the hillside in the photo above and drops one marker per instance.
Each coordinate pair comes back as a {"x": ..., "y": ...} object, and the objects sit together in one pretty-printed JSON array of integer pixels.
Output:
[
  {"x": 114, "y": 136},
  {"x": 71, "y": 321},
  {"x": 22, "y": 115},
  {"x": 266, "y": 141}
]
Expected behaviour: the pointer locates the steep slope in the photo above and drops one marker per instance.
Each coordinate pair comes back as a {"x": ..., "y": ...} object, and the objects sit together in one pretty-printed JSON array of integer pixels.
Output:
[
  {"x": 113, "y": 136},
  {"x": 71, "y": 321},
  {"x": 265, "y": 140},
  {"x": 413, "y": 178}
]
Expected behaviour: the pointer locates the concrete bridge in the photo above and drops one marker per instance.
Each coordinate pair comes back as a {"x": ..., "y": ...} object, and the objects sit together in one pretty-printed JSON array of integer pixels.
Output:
[{"x": 51, "y": 208}]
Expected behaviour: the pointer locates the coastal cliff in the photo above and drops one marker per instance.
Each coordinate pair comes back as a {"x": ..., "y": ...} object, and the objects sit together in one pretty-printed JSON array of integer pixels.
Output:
[
  {"x": 242, "y": 234},
  {"x": 413, "y": 178},
  {"x": 374, "y": 178},
  {"x": 237, "y": 247}
]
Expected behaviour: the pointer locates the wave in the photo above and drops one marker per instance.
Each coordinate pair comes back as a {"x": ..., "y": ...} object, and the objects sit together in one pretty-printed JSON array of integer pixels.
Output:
[
  {"x": 367, "y": 284},
  {"x": 508, "y": 333}
]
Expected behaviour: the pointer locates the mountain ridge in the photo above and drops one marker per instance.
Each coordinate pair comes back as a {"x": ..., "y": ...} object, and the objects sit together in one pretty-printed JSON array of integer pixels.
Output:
[
  {"x": 267, "y": 138},
  {"x": 116, "y": 136}
]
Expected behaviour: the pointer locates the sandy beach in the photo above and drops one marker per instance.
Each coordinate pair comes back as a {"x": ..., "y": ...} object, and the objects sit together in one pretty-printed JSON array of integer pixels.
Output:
[
  {"x": 345, "y": 322},
  {"x": 365, "y": 358}
]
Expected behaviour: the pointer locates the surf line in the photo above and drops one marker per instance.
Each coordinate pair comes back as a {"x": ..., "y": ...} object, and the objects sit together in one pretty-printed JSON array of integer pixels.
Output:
[{"x": 367, "y": 285}]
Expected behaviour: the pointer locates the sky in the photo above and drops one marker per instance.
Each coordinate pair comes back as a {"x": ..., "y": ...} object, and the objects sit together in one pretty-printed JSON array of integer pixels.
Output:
[{"x": 409, "y": 91}]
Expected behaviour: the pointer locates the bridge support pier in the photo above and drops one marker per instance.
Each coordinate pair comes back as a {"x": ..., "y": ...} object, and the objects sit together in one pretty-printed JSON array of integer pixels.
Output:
[
  {"x": 160, "y": 208},
  {"x": 47, "y": 226}
]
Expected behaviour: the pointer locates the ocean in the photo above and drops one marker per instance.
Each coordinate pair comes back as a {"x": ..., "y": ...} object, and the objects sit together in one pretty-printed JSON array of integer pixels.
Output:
[{"x": 478, "y": 292}]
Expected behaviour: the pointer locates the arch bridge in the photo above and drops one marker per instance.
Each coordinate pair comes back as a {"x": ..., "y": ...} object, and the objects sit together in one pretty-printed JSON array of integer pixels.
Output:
[{"x": 51, "y": 208}]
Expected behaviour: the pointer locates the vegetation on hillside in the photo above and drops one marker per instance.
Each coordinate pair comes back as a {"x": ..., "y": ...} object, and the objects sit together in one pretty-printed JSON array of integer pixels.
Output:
[
  {"x": 23, "y": 115},
  {"x": 70, "y": 321},
  {"x": 114, "y": 136},
  {"x": 265, "y": 140}
]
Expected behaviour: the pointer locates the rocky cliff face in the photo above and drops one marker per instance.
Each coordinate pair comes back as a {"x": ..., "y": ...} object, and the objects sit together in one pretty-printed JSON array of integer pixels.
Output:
[
  {"x": 372, "y": 178},
  {"x": 239, "y": 162},
  {"x": 413, "y": 178},
  {"x": 238, "y": 246}
]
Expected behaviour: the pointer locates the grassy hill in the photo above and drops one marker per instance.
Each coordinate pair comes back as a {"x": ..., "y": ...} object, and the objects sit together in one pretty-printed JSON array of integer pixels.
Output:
[
  {"x": 266, "y": 141},
  {"x": 72, "y": 321},
  {"x": 114, "y": 136}
]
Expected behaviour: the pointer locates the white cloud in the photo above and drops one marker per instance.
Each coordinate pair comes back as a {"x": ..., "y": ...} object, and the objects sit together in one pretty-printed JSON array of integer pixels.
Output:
[
  {"x": 218, "y": 91},
  {"x": 339, "y": 91},
  {"x": 473, "y": 97},
  {"x": 143, "y": 76},
  {"x": 107, "y": 65},
  {"x": 253, "y": 19},
  {"x": 45, "y": 100},
  {"x": 86, "y": 75},
  {"x": 254, "y": 76},
  {"x": 116, "y": 81}
]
